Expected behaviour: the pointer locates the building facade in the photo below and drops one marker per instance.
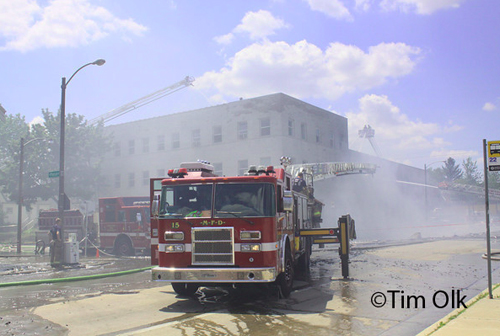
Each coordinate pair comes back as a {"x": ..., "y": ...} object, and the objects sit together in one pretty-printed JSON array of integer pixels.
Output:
[{"x": 231, "y": 137}]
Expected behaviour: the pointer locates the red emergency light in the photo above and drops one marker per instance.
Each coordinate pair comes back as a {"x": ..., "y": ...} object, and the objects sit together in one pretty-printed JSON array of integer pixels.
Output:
[{"x": 180, "y": 172}]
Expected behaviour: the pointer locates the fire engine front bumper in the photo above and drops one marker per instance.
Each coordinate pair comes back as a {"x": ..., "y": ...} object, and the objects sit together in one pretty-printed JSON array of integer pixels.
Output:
[{"x": 214, "y": 275}]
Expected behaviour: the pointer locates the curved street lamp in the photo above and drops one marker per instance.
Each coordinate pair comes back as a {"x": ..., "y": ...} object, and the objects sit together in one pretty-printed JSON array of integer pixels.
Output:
[
  {"x": 62, "y": 195},
  {"x": 20, "y": 201},
  {"x": 425, "y": 183}
]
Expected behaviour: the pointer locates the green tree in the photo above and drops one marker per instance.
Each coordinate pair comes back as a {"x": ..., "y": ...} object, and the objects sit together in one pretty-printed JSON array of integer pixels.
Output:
[
  {"x": 85, "y": 147},
  {"x": 435, "y": 175},
  {"x": 2, "y": 218},
  {"x": 493, "y": 180},
  {"x": 471, "y": 174},
  {"x": 451, "y": 170}
]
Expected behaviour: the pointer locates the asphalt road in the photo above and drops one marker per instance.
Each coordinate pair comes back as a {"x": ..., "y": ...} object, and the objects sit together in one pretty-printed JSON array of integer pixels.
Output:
[{"x": 421, "y": 282}]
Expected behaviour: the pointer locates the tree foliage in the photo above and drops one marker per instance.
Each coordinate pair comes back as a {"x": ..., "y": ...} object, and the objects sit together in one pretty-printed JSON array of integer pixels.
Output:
[
  {"x": 471, "y": 174},
  {"x": 85, "y": 147},
  {"x": 451, "y": 170},
  {"x": 493, "y": 180}
]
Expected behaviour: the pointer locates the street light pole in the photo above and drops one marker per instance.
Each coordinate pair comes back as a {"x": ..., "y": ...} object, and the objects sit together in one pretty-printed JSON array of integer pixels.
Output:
[
  {"x": 20, "y": 200},
  {"x": 62, "y": 195},
  {"x": 425, "y": 188}
]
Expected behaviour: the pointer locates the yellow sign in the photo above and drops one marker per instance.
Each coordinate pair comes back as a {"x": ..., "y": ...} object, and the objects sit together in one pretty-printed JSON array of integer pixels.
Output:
[
  {"x": 493, "y": 148},
  {"x": 494, "y": 155}
]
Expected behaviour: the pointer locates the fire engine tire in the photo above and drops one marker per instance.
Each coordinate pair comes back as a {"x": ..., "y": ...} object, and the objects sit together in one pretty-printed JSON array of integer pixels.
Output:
[
  {"x": 123, "y": 247},
  {"x": 285, "y": 279},
  {"x": 304, "y": 262},
  {"x": 185, "y": 289}
]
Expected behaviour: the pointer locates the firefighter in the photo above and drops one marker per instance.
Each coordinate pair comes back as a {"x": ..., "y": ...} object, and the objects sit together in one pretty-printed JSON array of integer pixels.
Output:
[
  {"x": 299, "y": 184},
  {"x": 55, "y": 243}
]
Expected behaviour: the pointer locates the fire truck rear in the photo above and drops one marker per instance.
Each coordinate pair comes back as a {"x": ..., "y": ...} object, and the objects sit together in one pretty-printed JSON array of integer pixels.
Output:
[
  {"x": 124, "y": 224},
  {"x": 212, "y": 231}
]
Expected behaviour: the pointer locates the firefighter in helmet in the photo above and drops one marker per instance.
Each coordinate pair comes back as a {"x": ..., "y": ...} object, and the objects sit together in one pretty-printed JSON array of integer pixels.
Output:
[{"x": 299, "y": 184}]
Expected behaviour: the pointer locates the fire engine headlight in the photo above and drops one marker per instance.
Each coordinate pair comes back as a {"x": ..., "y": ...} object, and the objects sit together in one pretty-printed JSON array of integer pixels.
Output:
[
  {"x": 174, "y": 248},
  {"x": 247, "y": 235},
  {"x": 174, "y": 235},
  {"x": 250, "y": 247}
]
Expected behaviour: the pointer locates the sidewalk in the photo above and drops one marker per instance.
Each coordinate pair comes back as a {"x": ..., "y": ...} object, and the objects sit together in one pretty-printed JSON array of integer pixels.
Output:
[{"x": 481, "y": 317}]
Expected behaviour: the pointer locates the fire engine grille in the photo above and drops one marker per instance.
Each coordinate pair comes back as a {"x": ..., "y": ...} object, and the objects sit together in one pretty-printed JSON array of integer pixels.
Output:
[{"x": 212, "y": 246}]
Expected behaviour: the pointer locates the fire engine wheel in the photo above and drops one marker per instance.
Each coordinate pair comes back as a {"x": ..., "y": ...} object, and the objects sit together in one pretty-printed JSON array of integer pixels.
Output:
[
  {"x": 185, "y": 289},
  {"x": 285, "y": 279},
  {"x": 304, "y": 262},
  {"x": 124, "y": 248}
]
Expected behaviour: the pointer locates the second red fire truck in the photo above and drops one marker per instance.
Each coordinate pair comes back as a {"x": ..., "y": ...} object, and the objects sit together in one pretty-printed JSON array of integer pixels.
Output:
[{"x": 124, "y": 225}]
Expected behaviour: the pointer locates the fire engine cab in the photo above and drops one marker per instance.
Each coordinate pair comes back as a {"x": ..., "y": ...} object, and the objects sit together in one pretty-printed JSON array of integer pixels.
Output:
[{"x": 210, "y": 231}]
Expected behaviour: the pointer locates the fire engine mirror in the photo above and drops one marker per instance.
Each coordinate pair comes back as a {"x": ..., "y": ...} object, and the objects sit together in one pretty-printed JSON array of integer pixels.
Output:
[
  {"x": 155, "y": 206},
  {"x": 287, "y": 201}
]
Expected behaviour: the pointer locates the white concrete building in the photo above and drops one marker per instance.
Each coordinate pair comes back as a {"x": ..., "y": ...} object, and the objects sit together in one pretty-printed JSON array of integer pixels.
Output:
[{"x": 231, "y": 136}]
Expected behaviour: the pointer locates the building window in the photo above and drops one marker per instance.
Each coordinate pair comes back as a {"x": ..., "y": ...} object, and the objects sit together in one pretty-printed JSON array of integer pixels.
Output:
[
  {"x": 242, "y": 130},
  {"x": 117, "y": 149},
  {"x": 291, "y": 125},
  {"x": 160, "y": 172},
  {"x": 242, "y": 167},
  {"x": 303, "y": 131},
  {"x": 176, "y": 143},
  {"x": 265, "y": 127},
  {"x": 318, "y": 135},
  {"x": 145, "y": 145},
  {"x": 118, "y": 181},
  {"x": 217, "y": 134},
  {"x": 161, "y": 142},
  {"x": 218, "y": 168},
  {"x": 131, "y": 147},
  {"x": 145, "y": 178},
  {"x": 265, "y": 161},
  {"x": 131, "y": 180},
  {"x": 332, "y": 140},
  {"x": 196, "y": 138},
  {"x": 9, "y": 210}
]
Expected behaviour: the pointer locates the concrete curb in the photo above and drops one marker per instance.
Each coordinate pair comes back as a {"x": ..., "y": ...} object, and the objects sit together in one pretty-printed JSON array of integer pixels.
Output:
[{"x": 461, "y": 314}]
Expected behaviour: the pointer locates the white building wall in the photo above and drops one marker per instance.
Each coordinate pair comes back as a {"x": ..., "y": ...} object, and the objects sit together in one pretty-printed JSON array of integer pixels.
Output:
[{"x": 256, "y": 148}]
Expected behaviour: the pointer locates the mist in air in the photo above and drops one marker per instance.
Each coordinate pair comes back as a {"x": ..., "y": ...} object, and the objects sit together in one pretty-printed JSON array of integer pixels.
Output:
[{"x": 386, "y": 209}]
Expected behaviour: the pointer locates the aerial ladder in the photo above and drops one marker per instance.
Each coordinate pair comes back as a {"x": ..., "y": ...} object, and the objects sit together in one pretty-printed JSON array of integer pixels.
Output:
[
  {"x": 470, "y": 189},
  {"x": 324, "y": 170},
  {"x": 369, "y": 133},
  {"x": 187, "y": 81}
]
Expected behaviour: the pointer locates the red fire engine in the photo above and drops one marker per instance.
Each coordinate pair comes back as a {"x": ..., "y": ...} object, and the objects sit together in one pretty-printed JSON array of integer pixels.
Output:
[
  {"x": 124, "y": 224},
  {"x": 210, "y": 231}
]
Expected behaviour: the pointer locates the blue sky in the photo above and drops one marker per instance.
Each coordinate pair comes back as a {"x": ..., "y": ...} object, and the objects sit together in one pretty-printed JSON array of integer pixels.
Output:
[{"x": 425, "y": 74}]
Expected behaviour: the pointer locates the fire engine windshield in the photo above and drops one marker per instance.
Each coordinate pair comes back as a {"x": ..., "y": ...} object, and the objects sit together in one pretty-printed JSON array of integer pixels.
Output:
[
  {"x": 244, "y": 200},
  {"x": 186, "y": 201}
]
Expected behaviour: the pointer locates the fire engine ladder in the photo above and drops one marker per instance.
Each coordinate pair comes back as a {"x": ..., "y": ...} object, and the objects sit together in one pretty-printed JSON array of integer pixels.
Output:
[
  {"x": 188, "y": 81},
  {"x": 321, "y": 171},
  {"x": 469, "y": 189}
]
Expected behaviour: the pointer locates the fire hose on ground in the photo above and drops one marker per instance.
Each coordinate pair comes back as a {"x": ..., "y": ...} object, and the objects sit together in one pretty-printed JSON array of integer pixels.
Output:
[
  {"x": 485, "y": 256},
  {"x": 78, "y": 278}
]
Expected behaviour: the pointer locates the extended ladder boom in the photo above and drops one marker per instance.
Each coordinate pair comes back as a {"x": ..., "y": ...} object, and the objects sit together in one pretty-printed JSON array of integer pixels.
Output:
[
  {"x": 143, "y": 101},
  {"x": 324, "y": 170},
  {"x": 469, "y": 189}
]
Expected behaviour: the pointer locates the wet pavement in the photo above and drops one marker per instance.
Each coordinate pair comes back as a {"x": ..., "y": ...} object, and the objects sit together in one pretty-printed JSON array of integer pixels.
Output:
[{"x": 414, "y": 276}]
